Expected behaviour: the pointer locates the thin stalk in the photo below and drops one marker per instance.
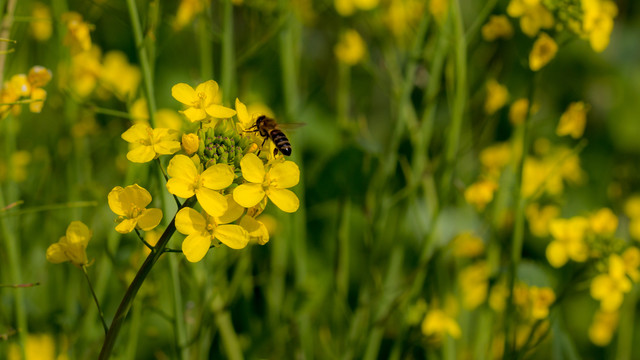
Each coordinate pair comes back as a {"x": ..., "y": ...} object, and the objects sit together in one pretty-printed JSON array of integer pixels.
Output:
[
  {"x": 132, "y": 291},
  {"x": 342, "y": 101},
  {"x": 149, "y": 246},
  {"x": 228, "y": 53},
  {"x": 95, "y": 299},
  {"x": 625, "y": 332},
  {"x": 480, "y": 19},
  {"x": 51, "y": 207},
  {"x": 145, "y": 62},
  {"x": 178, "y": 318}
]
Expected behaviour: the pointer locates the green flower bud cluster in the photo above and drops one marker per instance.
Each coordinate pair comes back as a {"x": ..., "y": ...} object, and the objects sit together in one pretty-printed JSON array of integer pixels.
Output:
[{"x": 221, "y": 145}]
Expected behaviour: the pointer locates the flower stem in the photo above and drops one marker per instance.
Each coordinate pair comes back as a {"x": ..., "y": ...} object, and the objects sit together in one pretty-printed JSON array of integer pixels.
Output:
[
  {"x": 132, "y": 291},
  {"x": 95, "y": 299},
  {"x": 228, "y": 52}
]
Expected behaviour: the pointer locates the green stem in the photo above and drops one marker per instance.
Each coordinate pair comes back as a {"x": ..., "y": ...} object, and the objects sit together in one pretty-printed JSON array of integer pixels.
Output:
[
  {"x": 228, "y": 334},
  {"x": 228, "y": 53},
  {"x": 145, "y": 62},
  {"x": 132, "y": 291},
  {"x": 625, "y": 332},
  {"x": 95, "y": 298},
  {"x": 178, "y": 318}
]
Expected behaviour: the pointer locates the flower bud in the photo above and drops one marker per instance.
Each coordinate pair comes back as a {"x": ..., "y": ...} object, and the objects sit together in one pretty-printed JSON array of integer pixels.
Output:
[{"x": 190, "y": 143}]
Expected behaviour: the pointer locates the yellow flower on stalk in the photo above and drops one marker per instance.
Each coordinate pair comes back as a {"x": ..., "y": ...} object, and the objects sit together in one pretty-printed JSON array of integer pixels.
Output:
[
  {"x": 148, "y": 143},
  {"x": 37, "y": 347},
  {"x": 204, "y": 100},
  {"x": 119, "y": 76},
  {"x": 498, "y": 27},
  {"x": 604, "y": 222},
  {"x": 573, "y": 120},
  {"x": 568, "y": 241},
  {"x": 256, "y": 229},
  {"x": 437, "y": 324},
  {"x": 72, "y": 247},
  {"x": 348, "y": 7},
  {"x": 84, "y": 71},
  {"x": 597, "y": 22},
  {"x": 187, "y": 180},
  {"x": 544, "y": 50},
  {"x": 518, "y": 111},
  {"x": 497, "y": 96},
  {"x": 187, "y": 10},
  {"x": 533, "y": 15},
  {"x": 603, "y": 326},
  {"x": 402, "y": 16},
  {"x": 273, "y": 184},
  {"x": 439, "y": 9},
  {"x": 474, "y": 283},
  {"x": 351, "y": 49},
  {"x": 540, "y": 218},
  {"x": 632, "y": 207},
  {"x": 130, "y": 204},
  {"x": 494, "y": 158},
  {"x": 467, "y": 245},
  {"x": 78, "y": 38},
  {"x": 203, "y": 229},
  {"x": 498, "y": 297},
  {"x": 631, "y": 259},
  {"x": 480, "y": 193},
  {"x": 41, "y": 27},
  {"x": 541, "y": 299},
  {"x": 610, "y": 287}
]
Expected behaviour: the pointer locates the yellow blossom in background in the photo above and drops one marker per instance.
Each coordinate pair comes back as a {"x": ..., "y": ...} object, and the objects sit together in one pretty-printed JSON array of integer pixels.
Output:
[
  {"x": 568, "y": 241},
  {"x": 540, "y": 218},
  {"x": 634, "y": 229},
  {"x": 202, "y": 229},
  {"x": 402, "y": 15},
  {"x": 147, "y": 143},
  {"x": 467, "y": 245},
  {"x": 19, "y": 85},
  {"x": 498, "y": 297},
  {"x": 603, "y": 327},
  {"x": 610, "y": 287},
  {"x": 350, "y": 49},
  {"x": 533, "y": 15},
  {"x": 85, "y": 71},
  {"x": 187, "y": 10},
  {"x": 631, "y": 260},
  {"x": 190, "y": 143},
  {"x": 78, "y": 36},
  {"x": 498, "y": 27},
  {"x": 573, "y": 120},
  {"x": 41, "y": 27},
  {"x": 204, "y": 100},
  {"x": 480, "y": 193},
  {"x": 437, "y": 324},
  {"x": 119, "y": 76},
  {"x": 18, "y": 165},
  {"x": 544, "y": 50},
  {"x": 130, "y": 204},
  {"x": 273, "y": 184},
  {"x": 541, "y": 299},
  {"x": 497, "y": 96},
  {"x": 256, "y": 229},
  {"x": 632, "y": 207},
  {"x": 518, "y": 111},
  {"x": 495, "y": 157},
  {"x": 474, "y": 283},
  {"x": 187, "y": 180},
  {"x": 597, "y": 22},
  {"x": 348, "y": 7},
  {"x": 37, "y": 347},
  {"x": 439, "y": 9},
  {"x": 72, "y": 247},
  {"x": 604, "y": 222}
]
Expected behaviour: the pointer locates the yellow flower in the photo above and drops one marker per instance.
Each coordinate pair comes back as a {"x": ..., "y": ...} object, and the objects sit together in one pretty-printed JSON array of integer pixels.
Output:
[
  {"x": 631, "y": 259},
  {"x": 604, "y": 222},
  {"x": 498, "y": 297},
  {"x": 187, "y": 180},
  {"x": 39, "y": 76},
  {"x": 187, "y": 10},
  {"x": 437, "y": 323},
  {"x": 568, "y": 241},
  {"x": 603, "y": 326},
  {"x": 20, "y": 85},
  {"x": 348, "y": 7},
  {"x": 468, "y": 245},
  {"x": 148, "y": 143},
  {"x": 245, "y": 121},
  {"x": 540, "y": 218},
  {"x": 634, "y": 228},
  {"x": 597, "y": 22},
  {"x": 84, "y": 71},
  {"x": 497, "y": 96},
  {"x": 533, "y": 15},
  {"x": 610, "y": 287},
  {"x": 497, "y": 27},
  {"x": 632, "y": 207},
  {"x": 573, "y": 120},
  {"x": 257, "y": 230},
  {"x": 439, "y": 9},
  {"x": 72, "y": 247},
  {"x": 544, "y": 49},
  {"x": 518, "y": 111},
  {"x": 130, "y": 204},
  {"x": 541, "y": 299},
  {"x": 37, "y": 347},
  {"x": 119, "y": 76},
  {"x": 78, "y": 38},
  {"x": 202, "y": 229},
  {"x": 41, "y": 26},
  {"x": 474, "y": 283},
  {"x": 190, "y": 143},
  {"x": 351, "y": 49},
  {"x": 273, "y": 184},
  {"x": 402, "y": 16},
  {"x": 495, "y": 157},
  {"x": 480, "y": 193},
  {"x": 204, "y": 100}
]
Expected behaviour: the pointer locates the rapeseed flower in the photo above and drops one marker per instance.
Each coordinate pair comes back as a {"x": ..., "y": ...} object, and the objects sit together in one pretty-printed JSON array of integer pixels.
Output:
[
  {"x": 497, "y": 96},
  {"x": 440, "y": 322},
  {"x": 72, "y": 247},
  {"x": 568, "y": 241},
  {"x": 256, "y": 229},
  {"x": 603, "y": 327},
  {"x": 540, "y": 217},
  {"x": 119, "y": 76},
  {"x": 609, "y": 288},
  {"x": 37, "y": 347},
  {"x": 518, "y": 111},
  {"x": 130, "y": 204},
  {"x": 467, "y": 245},
  {"x": 533, "y": 15},
  {"x": 604, "y": 222},
  {"x": 187, "y": 10},
  {"x": 480, "y": 193},
  {"x": 203, "y": 229},
  {"x": 202, "y": 102},
  {"x": 188, "y": 180},
  {"x": 41, "y": 27},
  {"x": 573, "y": 120},
  {"x": 351, "y": 49},
  {"x": 78, "y": 36},
  {"x": 348, "y": 7},
  {"x": 439, "y": 9},
  {"x": 541, "y": 299},
  {"x": 544, "y": 50},
  {"x": 190, "y": 143},
  {"x": 474, "y": 283},
  {"x": 270, "y": 181},
  {"x": 84, "y": 71},
  {"x": 148, "y": 143},
  {"x": 597, "y": 22},
  {"x": 631, "y": 259},
  {"x": 498, "y": 27}
]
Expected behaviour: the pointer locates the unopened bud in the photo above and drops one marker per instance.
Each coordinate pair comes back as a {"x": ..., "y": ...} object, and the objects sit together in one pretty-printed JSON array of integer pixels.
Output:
[{"x": 190, "y": 143}]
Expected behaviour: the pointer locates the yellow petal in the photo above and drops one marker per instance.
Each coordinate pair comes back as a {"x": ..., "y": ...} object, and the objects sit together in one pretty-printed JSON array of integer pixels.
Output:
[
  {"x": 189, "y": 221},
  {"x": 181, "y": 167},
  {"x": 208, "y": 88},
  {"x": 252, "y": 169},
  {"x": 167, "y": 147},
  {"x": 243, "y": 115},
  {"x": 556, "y": 254},
  {"x": 181, "y": 188},
  {"x": 219, "y": 111},
  {"x": 233, "y": 236},
  {"x": 195, "y": 246},
  {"x": 256, "y": 229},
  {"x": 285, "y": 199},
  {"x": 136, "y": 133},
  {"x": 183, "y": 93},
  {"x": 248, "y": 195},
  {"x": 55, "y": 254},
  {"x": 78, "y": 233},
  {"x": 136, "y": 196},
  {"x": 37, "y": 94},
  {"x": 115, "y": 204},
  {"x": 164, "y": 134},
  {"x": 127, "y": 226},
  {"x": 286, "y": 174},
  {"x": 234, "y": 211},
  {"x": 211, "y": 201},
  {"x": 217, "y": 177},
  {"x": 194, "y": 114},
  {"x": 149, "y": 219},
  {"x": 141, "y": 154}
]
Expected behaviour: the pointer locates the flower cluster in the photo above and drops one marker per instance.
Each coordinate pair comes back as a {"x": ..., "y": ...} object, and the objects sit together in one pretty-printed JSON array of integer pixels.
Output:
[{"x": 25, "y": 86}]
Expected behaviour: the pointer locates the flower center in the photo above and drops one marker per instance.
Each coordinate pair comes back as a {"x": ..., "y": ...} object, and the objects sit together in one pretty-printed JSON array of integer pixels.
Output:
[{"x": 135, "y": 212}]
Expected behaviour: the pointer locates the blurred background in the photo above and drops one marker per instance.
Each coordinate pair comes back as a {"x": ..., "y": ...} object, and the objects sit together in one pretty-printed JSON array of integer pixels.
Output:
[{"x": 399, "y": 110}]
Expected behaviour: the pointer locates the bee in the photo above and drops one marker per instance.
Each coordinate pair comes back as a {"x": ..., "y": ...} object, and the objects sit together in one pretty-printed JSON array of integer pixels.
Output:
[{"x": 269, "y": 129}]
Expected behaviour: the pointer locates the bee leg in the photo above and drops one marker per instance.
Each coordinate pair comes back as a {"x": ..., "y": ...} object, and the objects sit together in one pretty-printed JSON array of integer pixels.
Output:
[
  {"x": 264, "y": 141},
  {"x": 275, "y": 151}
]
